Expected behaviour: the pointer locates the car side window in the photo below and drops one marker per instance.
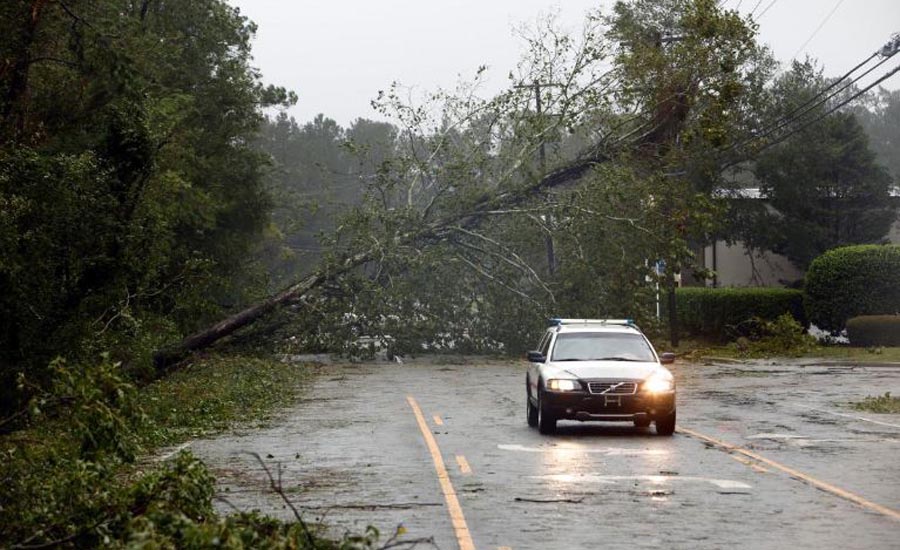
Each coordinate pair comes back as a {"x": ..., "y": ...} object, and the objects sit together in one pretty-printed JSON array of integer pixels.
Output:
[
  {"x": 540, "y": 345},
  {"x": 545, "y": 344}
]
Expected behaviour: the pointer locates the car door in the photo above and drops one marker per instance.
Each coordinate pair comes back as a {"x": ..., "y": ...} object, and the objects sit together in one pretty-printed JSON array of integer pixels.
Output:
[{"x": 535, "y": 368}]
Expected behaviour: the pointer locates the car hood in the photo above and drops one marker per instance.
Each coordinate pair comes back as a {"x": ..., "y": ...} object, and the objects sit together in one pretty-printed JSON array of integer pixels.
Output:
[{"x": 609, "y": 369}]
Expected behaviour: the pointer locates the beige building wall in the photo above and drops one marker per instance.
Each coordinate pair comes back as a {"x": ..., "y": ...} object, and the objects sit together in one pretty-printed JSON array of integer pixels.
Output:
[
  {"x": 894, "y": 234},
  {"x": 735, "y": 266}
]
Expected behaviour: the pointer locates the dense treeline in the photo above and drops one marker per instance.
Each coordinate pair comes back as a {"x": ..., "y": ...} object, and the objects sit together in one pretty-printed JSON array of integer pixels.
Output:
[
  {"x": 131, "y": 193},
  {"x": 319, "y": 170}
]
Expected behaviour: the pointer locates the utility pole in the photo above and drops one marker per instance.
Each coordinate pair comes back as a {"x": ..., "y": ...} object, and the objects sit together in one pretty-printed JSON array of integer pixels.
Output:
[
  {"x": 664, "y": 111},
  {"x": 542, "y": 163}
]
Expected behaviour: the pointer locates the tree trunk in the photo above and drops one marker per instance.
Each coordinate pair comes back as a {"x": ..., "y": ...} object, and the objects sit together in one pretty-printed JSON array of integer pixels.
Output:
[
  {"x": 168, "y": 356},
  {"x": 13, "y": 110}
]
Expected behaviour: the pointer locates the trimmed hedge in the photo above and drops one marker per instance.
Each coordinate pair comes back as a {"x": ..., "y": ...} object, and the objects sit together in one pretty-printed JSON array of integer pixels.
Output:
[
  {"x": 874, "y": 330},
  {"x": 718, "y": 312},
  {"x": 851, "y": 281}
]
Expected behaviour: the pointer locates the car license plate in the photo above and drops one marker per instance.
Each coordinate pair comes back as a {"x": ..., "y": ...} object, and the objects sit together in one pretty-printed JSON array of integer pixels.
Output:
[{"x": 612, "y": 400}]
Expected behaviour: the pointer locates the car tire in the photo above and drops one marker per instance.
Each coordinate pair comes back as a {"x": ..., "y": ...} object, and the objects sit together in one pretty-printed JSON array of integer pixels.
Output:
[
  {"x": 642, "y": 423},
  {"x": 531, "y": 412},
  {"x": 546, "y": 420},
  {"x": 666, "y": 424}
]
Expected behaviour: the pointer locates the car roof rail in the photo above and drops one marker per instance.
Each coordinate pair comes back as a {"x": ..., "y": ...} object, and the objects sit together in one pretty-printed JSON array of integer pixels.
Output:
[{"x": 557, "y": 321}]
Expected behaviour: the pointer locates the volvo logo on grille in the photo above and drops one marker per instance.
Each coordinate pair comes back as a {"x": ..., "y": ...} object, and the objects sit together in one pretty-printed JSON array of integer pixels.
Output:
[{"x": 611, "y": 388}]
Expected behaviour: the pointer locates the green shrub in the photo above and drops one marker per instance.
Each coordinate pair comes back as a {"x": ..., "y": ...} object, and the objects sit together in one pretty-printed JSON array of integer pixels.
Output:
[
  {"x": 724, "y": 313},
  {"x": 874, "y": 330},
  {"x": 851, "y": 281},
  {"x": 783, "y": 336}
]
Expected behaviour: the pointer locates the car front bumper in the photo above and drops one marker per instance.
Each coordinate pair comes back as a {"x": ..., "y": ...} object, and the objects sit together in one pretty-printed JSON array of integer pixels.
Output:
[{"x": 603, "y": 407}]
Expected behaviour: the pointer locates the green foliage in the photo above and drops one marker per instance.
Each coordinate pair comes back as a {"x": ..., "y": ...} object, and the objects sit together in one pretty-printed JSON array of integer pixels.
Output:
[
  {"x": 851, "y": 281},
  {"x": 65, "y": 478},
  {"x": 130, "y": 193},
  {"x": 783, "y": 336},
  {"x": 170, "y": 507},
  {"x": 886, "y": 404},
  {"x": 726, "y": 313},
  {"x": 213, "y": 392},
  {"x": 874, "y": 330},
  {"x": 101, "y": 407}
]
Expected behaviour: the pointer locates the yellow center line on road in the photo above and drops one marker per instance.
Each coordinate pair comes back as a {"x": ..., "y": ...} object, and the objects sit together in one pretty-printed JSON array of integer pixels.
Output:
[
  {"x": 437, "y": 420},
  {"x": 750, "y": 463},
  {"x": 817, "y": 483},
  {"x": 460, "y": 528},
  {"x": 463, "y": 465}
]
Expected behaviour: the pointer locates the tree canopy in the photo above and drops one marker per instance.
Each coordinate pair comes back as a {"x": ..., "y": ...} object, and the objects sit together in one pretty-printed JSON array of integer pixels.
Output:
[
  {"x": 825, "y": 183},
  {"x": 130, "y": 191}
]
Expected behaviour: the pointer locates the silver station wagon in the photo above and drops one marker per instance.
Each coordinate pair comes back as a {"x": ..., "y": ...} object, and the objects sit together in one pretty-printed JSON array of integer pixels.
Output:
[{"x": 599, "y": 370}]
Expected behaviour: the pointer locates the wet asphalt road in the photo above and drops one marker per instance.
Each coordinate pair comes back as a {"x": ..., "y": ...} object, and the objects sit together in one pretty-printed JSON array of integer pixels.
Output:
[{"x": 353, "y": 454}]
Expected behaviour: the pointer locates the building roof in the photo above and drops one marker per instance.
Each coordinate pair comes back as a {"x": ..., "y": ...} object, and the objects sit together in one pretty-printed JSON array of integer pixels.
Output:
[{"x": 756, "y": 193}]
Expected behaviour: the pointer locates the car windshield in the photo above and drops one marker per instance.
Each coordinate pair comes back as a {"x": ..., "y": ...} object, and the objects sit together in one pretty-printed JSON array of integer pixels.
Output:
[{"x": 598, "y": 346}]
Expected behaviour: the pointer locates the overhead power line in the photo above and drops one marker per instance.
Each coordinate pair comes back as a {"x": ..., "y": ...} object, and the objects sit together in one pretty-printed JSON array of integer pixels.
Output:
[
  {"x": 887, "y": 51},
  {"x": 815, "y": 32},
  {"x": 850, "y": 99},
  {"x": 758, "y": 2},
  {"x": 772, "y": 3},
  {"x": 817, "y": 100},
  {"x": 836, "y": 82}
]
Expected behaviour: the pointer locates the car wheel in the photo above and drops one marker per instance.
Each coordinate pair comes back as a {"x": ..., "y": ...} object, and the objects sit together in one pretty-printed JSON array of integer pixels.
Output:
[
  {"x": 531, "y": 412},
  {"x": 666, "y": 424},
  {"x": 546, "y": 420},
  {"x": 643, "y": 423}
]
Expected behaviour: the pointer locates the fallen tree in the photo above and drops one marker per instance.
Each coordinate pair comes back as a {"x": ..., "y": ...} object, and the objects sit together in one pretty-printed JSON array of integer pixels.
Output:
[
  {"x": 435, "y": 231},
  {"x": 664, "y": 109}
]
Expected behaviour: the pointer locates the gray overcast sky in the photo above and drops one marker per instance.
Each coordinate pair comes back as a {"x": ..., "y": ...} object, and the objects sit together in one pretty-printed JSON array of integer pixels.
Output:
[{"x": 337, "y": 54}]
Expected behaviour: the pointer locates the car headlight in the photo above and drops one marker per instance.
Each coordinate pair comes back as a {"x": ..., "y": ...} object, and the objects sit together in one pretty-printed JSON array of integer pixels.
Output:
[
  {"x": 659, "y": 383},
  {"x": 563, "y": 385}
]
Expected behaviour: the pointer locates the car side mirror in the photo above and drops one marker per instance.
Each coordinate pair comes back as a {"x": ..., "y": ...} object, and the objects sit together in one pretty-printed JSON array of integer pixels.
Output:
[
  {"x": 667, "y": 358},
  {"x": 536, "y": 357}
]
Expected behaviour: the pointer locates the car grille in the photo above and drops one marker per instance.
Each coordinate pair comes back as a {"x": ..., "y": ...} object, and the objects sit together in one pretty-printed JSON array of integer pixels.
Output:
[{"x": 613, "y": 387}]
